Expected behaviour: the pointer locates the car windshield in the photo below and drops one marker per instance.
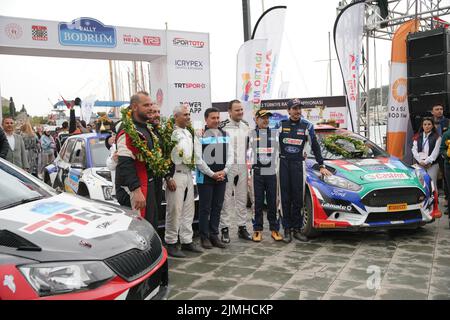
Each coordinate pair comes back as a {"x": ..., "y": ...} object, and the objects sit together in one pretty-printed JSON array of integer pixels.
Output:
[
  {"x": 18, "y": 187},
  {"x": 346, "y": 145},
  {"x": 99, "y": 152}
]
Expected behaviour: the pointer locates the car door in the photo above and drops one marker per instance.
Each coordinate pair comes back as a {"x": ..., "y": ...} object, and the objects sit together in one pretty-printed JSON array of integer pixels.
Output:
[
  {"x": 62, "y": 163},
  {"x": 77, "y": 165}
]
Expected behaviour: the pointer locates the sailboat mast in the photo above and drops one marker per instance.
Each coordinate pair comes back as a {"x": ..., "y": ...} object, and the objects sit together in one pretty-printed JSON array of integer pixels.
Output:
[{"x": 113, "y": 93}]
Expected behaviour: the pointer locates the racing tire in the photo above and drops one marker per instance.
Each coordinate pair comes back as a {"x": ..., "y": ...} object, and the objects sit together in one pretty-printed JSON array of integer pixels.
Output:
[
  {"x": 308, "y": 217},
  {"x": 83, "y": 191}
]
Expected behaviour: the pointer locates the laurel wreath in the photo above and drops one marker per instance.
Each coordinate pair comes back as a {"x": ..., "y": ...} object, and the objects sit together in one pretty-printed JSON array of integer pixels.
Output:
[
  {"x": 167, "y": 129},
  {"x": 155, "y": 159},
  {"x": 331, "y": 145}
]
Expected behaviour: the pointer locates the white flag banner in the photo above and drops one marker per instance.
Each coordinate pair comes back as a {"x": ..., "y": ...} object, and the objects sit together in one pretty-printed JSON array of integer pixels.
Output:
[
  {"x": 270, "y": 26},
  {"x": 249, "y": 76},
  {"x": 283, "y": 90},
  {"x": 87, "y": 106},
  {"x": 348, "y": 35}
]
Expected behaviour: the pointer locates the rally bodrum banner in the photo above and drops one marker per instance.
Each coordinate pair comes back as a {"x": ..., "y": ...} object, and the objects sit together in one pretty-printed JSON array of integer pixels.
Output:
[
  {"x": 398, "y": 112},
  {"x": 270, "y": 26},
  {"x": 249, "y": 76},
  {"x": 348, "y": 35}
]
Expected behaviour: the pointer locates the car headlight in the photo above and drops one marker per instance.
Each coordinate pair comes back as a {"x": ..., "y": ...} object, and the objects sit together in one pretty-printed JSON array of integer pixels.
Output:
[
  {"x": 106, "y": 174},
  {"x": 58, "y": 278},
  {"x": 420, "y": 175},
  {"x": 107, "y": 192},
  {"x": 341, "y": 183}
]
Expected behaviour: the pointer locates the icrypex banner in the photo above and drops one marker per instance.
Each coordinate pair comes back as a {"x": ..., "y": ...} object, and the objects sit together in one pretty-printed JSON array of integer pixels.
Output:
[
  {"x": 398, "y": 112},
  {"x": 348, "y": 34},
  {"x": 249, "y": 76},
  {"x": 270, "y": 26}
]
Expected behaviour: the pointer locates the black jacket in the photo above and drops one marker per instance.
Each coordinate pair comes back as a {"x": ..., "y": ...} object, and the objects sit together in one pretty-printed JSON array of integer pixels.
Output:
[{"x": 4, "y": 145}]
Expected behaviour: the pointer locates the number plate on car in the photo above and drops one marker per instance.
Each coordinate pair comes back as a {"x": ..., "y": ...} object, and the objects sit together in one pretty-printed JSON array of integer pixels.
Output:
[{"x": 397, "y": 207}]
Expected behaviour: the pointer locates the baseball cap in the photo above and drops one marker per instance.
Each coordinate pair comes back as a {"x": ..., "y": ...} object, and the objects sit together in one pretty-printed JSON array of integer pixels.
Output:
[
  {"x": 293, "y": 103},
  {"x": 262, "y": 113}
]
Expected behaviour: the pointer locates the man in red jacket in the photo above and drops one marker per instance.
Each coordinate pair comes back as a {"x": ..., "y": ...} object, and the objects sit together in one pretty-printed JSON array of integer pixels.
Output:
[{"x": 131, "y": 174}]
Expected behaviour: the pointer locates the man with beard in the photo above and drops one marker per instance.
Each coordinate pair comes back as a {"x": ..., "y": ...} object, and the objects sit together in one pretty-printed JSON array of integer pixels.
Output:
[{"x": 134, "y": 175}]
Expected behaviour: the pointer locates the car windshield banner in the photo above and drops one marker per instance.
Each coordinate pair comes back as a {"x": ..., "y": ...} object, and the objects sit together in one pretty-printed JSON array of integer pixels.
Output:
[{"x": 348, "y": 34}]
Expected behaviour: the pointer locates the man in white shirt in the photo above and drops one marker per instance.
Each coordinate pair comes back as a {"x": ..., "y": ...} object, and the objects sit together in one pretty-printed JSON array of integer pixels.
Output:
[
  {"x": 236, "y": 190},
  {"x": 180, "y": 188}
]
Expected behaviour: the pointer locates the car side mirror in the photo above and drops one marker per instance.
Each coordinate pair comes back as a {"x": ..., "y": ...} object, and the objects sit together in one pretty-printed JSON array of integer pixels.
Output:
[{"x": 77, "y": 153}]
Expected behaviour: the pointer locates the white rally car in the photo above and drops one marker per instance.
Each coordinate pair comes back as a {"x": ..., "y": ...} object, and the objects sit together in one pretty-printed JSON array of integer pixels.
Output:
[{"x": 80, "y": 168}]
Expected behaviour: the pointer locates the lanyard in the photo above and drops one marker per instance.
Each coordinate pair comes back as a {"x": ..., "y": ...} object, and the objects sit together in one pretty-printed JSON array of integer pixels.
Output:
[{"x": 425, "y": 142}]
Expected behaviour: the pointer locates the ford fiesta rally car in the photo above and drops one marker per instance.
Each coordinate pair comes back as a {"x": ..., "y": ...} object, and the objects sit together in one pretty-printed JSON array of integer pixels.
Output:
[
  {"x": 62, "y": 246},
  {"x": 368, "y": 189}
]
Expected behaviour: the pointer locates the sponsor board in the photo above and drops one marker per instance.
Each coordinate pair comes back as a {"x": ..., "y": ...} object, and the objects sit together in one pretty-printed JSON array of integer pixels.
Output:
[
  {"x": 182, "y": 42},
  {"x": 129, "y": 39},
  {"x": 188, "y": 64},
  {"x": 13, "y": 31},
  {"x": 386, "y": 176},
  {"x": 87, "y": 32},
  {"x": 189, "y": 85},
  {"x": 39, "y": 33},
  {"x": 194, "y": 107}
]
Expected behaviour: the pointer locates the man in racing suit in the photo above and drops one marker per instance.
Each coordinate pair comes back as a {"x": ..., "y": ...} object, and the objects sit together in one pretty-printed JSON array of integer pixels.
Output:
[
  {"x": 131, "y": 174},
  {"x": 295, "y": 134},
  {"x": 236, "y": 189}
]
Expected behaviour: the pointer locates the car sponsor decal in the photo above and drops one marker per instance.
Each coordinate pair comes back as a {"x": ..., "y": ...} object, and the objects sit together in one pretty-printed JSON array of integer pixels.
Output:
[
  {"x": 338, "y": 193},
  {"x": 290, "y": 149},
  {"x": 337, "y": 207},
  {"x": 386, "y": 176},
  {"x": 295, "y": 142},
  {"x": 50, "y": 207},
  {"x": 81, "y": 221}
]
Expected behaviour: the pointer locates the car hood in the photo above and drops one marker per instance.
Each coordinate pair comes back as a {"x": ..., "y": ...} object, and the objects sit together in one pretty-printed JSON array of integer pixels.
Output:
[
  {"x": 374, "y": 171},
  {"x": 68, "y": 227}
]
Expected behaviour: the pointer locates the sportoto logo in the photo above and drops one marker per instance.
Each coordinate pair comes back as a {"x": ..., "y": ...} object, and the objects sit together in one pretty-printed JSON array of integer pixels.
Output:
[
  {"x": 13, "y": 31},
  {"x": 189, "y": 64},
  {"x": 181, "y": 42},
  {"x": 189, "y": 85},
  {"x": 87, "y": 32},
  {"x": 386, "y": 176},
  {"x": 399, "y": 90}
]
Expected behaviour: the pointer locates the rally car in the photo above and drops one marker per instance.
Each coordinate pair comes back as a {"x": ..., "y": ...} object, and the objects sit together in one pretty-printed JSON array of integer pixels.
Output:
[
  {"x": 368, "y": 189},
  {"x": 62, "y": 246},
  {"x": 80, "y": 168}
]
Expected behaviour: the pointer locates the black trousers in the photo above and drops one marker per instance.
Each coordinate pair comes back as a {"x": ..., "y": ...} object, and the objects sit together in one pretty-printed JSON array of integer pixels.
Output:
[
  {"x": 291, "y": 185},
  {"x": 441, "y": 163},
  {"x": 159, "y": 197},
  {"x": 265, "y": 187},
  {"x": 447, "y": 180},
  {"x": 211, "y": 198}
]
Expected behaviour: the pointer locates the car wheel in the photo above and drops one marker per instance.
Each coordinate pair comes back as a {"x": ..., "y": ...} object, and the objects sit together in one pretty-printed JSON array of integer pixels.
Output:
[
  {"x": 308, "y": 217},
  {"x": 83, "y": 191}
]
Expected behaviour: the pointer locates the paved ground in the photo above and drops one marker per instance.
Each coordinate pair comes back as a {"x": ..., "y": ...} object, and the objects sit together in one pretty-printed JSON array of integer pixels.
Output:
[{"x": 375, "y": 265}]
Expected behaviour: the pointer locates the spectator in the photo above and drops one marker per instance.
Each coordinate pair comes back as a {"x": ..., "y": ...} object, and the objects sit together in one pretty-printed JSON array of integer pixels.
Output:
[
  {"x": 48, "y": 146},
  {"x": 113, "y": 158},
  {"x": 4, "y": 146},
  {"x": 16, "y": 153},
  {"x": 426, "y": 148},
  {"x": 32, "y": 147},
  {"x": 62, "y": 136}
]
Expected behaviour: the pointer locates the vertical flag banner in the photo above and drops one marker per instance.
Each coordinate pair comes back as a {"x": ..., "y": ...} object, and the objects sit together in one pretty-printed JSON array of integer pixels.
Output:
[
  {"x": 398, "y": 112},
  {"x": 87, "y": 106},
  {"x": 348, "y": 35},
  {"x": 270, "y": 26},
  {"x": 250, "y": 76}
]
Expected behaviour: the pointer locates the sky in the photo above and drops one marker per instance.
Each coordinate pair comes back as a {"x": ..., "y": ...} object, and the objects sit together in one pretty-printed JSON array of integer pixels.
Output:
[{"x": 37, "y": 82}]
